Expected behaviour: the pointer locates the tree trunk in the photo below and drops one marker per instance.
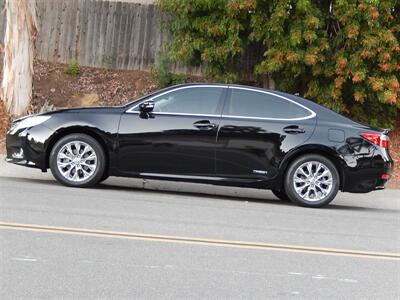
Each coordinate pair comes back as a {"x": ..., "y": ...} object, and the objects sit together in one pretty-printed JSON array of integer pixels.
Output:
[
  {"x": 19, "y": 43},
  {"x": 268, "y": 82}
]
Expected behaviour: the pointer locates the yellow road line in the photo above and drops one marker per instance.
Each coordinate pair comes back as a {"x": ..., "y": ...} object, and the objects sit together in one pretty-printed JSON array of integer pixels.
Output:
[{"x": 201, "y": 241}]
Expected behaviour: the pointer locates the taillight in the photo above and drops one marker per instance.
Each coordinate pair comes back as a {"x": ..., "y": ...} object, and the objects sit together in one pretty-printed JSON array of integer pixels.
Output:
[{"x": 378, "y": 139}]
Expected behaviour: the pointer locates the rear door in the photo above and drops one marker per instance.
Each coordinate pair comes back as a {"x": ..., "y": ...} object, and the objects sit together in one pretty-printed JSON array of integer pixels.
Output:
[
  {"x": 180, "y": 136},
  {"x": 257, "y": 129}
]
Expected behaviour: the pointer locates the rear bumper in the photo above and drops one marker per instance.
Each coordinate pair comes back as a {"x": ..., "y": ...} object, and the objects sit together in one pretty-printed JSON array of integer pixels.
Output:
[
  {"x": 368, "y": 177},
  {"x": 366, "y": 186},
  {"x": 27, "y": 147}
]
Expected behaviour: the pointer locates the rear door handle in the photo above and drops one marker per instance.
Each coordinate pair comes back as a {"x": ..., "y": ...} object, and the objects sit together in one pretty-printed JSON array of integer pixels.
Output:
[
  {"x": 293, "y": 129},
  {"x": 204, "y": 125}
]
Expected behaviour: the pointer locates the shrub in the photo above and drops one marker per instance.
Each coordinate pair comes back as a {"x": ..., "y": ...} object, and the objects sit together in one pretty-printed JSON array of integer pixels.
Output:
[
  {"x": 179, "y": 79},
  {"x": 72, "y": 68},
  {"x": 343, "y": 54},
  {"x": 162, "y": 76}
]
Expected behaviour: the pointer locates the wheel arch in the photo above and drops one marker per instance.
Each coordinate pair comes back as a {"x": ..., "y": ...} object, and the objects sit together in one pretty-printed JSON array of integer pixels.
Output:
[
  {"x": 76, "y": 129},
  {"x": 314, "y": 149}
]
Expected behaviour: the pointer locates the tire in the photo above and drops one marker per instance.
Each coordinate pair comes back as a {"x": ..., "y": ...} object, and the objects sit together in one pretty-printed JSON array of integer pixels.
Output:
[
  {"x": 78, "y": 160},
  {"x": 105, "y": 177},
  {"x": 317, "y": 181},
  {"x": 281, "y": 195}
]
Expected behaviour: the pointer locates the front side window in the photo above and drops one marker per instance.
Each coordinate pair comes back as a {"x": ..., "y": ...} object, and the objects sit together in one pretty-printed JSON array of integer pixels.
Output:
[
  {"x": 248, "y": 103},
  {"x": 196, "y": 100}
]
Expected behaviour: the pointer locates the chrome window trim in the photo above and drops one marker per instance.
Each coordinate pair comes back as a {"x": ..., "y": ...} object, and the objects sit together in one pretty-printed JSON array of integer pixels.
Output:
[
  {"x": 177, "y": 114},
  {"x": 312, "y": 115},
  {"x": 269, "y": 119},
  {"x": 131, "y": 110}
]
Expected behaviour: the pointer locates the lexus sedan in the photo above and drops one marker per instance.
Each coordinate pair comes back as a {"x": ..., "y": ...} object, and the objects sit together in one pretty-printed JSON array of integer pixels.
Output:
[{"x": 209, "y": 133}]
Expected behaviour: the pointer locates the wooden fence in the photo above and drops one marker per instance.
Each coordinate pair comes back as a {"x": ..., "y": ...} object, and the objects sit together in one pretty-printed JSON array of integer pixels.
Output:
[{"x": 110, "y": 34}]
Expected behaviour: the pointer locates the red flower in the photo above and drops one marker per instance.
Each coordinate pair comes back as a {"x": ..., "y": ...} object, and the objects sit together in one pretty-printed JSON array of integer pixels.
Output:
[
  {"x": 310, "y": 59},
  {"x": 393, "y": 84},
  {"x": 384, "y": 67},
  {"x": 292, "y": 57},
  {"x": 358, "y": 96},
  {"x": 357, "y": 77},
  {"x": 376, "y": 84},
  {"x": 366, "y": 54},
  {"x": 385, "y": 56},
  {"x": 390, "y": 97},
  {"x": 342, "y": 62},
  {"x": 374, "y": 14},
  {"x": 361, "y": 6},
  {"x": 339, "y": 82}
]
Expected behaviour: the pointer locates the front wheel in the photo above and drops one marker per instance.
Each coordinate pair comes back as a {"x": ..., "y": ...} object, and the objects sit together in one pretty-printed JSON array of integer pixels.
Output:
[
  {"x": 312, "y": 181},
  {"x": 78, "y": 160}
]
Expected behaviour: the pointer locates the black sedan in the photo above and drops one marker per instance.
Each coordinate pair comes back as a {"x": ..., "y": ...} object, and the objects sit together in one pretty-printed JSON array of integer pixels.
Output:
[{"x": 209, "y": 133}]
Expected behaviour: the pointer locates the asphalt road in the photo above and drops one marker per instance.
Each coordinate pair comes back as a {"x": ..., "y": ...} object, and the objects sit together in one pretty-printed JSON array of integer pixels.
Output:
[{"x": 186, "y": 241}]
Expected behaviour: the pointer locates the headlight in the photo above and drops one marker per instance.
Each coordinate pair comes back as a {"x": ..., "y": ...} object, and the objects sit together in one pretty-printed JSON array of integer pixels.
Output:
[{"x": 28, "y": 122}]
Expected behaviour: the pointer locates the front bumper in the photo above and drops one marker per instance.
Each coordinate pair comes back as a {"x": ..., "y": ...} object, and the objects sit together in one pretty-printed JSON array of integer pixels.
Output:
[{"x": 27, "y": 147}]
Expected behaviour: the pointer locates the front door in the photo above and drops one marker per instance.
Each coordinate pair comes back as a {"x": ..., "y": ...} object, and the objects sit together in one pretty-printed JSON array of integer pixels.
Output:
[{"x": 178, "y": 138}]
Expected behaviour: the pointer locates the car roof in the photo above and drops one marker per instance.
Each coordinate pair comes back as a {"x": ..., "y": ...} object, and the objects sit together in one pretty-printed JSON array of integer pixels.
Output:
[
  {"x": 276, "y": 92},
  {"x": 323, "y": 112},
  {"x": 227, "y": 85}
]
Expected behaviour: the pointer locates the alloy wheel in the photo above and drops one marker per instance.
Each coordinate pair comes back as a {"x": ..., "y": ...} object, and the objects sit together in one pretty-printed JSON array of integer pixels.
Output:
[
  {"x": 77, "y": 161},
  {"x": 313, "y": 181}
]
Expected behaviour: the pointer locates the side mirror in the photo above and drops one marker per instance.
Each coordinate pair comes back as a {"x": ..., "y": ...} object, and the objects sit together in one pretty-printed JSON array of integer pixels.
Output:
[{"x": 146, "y": 107}]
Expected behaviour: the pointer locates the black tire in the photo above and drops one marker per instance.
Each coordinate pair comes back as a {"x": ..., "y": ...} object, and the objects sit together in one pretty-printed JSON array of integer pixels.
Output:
[
  {"x": 97, "y": 173},
  {"x": 281, "y": 195},
  {"x": 289, "y": 181},
  {"x": 105, "y": 177}
]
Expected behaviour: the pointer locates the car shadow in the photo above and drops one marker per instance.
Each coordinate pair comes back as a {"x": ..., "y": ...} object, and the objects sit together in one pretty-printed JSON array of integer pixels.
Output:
[
  {"x": 240, "y": 198},
  {"x": 243, "y": 198},
  {"x": 125, "y": 188}
]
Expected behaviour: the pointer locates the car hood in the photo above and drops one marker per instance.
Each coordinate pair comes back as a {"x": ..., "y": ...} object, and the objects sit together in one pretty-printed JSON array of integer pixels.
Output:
[
  {"x": 94, "y": 109},
  {"x": 83, "y": 110}
]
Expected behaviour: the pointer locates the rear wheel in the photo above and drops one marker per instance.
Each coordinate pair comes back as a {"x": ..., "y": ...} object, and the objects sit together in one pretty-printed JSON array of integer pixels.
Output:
[
  {"x": 78, "y": 160},
  {"x": 312, "y": 181}
]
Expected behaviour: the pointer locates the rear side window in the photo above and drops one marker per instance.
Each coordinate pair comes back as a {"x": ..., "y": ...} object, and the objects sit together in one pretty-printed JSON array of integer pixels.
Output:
[
  {"x": 248, "y": 103},
  {"x": 196, "y": 100}
]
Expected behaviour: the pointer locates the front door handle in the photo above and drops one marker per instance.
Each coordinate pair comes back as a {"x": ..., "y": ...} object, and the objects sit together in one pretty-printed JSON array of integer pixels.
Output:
[
  {"x": 204, "y": 125},
  {"x": 293, "y": 129}
]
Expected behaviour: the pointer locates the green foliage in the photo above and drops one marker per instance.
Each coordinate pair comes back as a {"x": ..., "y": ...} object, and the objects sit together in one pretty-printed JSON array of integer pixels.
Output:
[
  {"x": 162, "y": 76},
  {"x": 72, "y": 68},
  {"x": 375, "y": 114},
  {"x": 179, "y": 79},
  {"x": 343, "y": 54},
  {"x": 209, "y": 32}
]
